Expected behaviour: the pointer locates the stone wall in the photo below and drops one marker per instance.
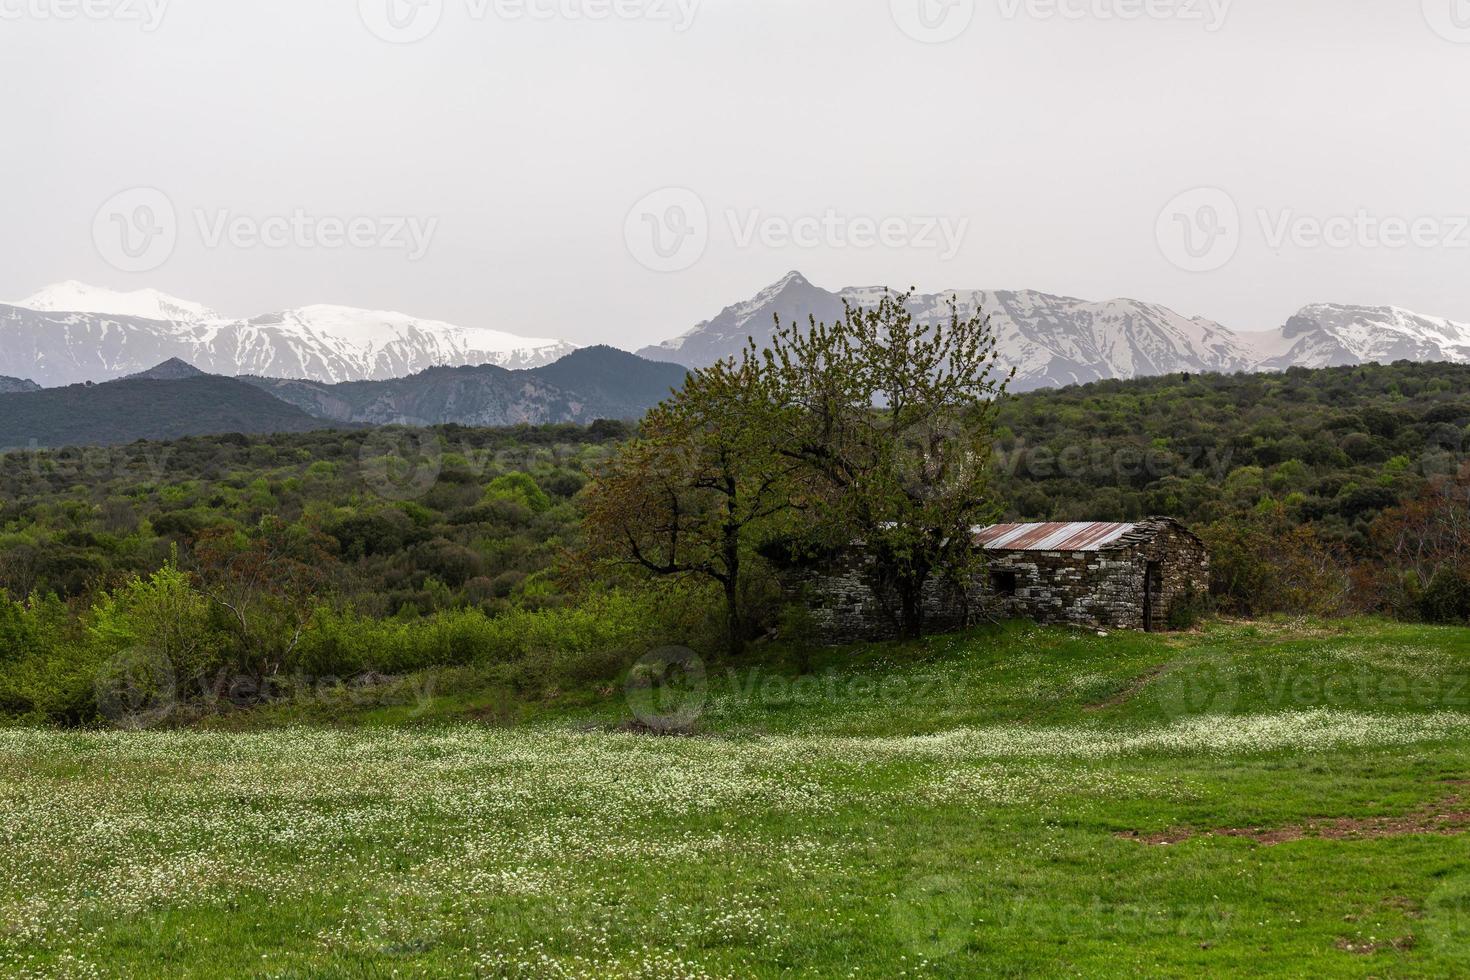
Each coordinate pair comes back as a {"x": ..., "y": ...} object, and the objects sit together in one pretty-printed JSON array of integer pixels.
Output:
[
  {"x": 845, "y": 606},
  {"x": 1103, "y": 589}
]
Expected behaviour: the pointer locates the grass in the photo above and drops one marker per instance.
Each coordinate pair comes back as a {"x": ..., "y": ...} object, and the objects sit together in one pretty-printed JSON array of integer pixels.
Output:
[{"x": 972, "y": 805}]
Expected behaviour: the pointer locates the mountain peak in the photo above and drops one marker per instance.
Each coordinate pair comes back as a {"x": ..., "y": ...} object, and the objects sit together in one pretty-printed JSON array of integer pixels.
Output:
[
  {"x": 173, "y": 369},
  {"x": 72, "y": 296},
  {"x": 792, "y": 278}
]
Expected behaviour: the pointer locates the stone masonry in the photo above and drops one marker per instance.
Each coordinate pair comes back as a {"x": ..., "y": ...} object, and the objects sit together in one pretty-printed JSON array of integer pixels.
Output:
[{"x": 1131, "y": 583}]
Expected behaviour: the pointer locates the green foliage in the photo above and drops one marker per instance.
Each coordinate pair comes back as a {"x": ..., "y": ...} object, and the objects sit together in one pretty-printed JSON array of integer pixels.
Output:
[
  {"x": 889, "y": 423},
  {"x": 1447, "y": 597},
  {"x": 694, "y": 495},
  {"x": 1186, "y": 612},
  {"x": 519, "y": 488},
  {"x": 1210, "y": 448},
  {"x": 1262, "y": 564},
  {"x": 77, "y": 521}
]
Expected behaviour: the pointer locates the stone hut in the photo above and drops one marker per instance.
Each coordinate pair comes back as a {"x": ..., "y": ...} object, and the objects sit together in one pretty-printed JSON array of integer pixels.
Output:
[
  {"x": 1113, "y": 576},
  {"x": 1120, "y": 576}
]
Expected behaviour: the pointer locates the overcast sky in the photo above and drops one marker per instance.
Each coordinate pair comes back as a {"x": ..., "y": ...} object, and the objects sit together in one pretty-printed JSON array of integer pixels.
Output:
[{"x": 527, "y": 149}]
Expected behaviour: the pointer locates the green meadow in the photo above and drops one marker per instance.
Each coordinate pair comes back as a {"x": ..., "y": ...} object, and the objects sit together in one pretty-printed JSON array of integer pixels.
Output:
[{"x": 1280, "y": 799}]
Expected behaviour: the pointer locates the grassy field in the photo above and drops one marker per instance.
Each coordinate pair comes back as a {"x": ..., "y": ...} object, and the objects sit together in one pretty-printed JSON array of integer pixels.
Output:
[{"x": 1273, "y": 799}]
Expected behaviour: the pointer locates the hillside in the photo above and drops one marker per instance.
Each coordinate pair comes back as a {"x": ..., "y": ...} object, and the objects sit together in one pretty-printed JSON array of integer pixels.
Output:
[
  {"x": 1333, "y": 446},
  {"x": 1012, "y": 802},
  {"x": 124, "y": 411},
  {"x": 12, "y": 385},
  {"x": 586, "y": 385}
]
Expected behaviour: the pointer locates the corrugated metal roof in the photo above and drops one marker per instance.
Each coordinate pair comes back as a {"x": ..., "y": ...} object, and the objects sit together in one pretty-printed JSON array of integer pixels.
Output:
[{"x": 1051, "y": 537}]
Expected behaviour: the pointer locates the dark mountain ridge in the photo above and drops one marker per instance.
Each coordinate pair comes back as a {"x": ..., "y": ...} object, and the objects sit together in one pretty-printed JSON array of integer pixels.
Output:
[
  {"x": 586, "y": 385},
  {"x": 127, "y": 410}
]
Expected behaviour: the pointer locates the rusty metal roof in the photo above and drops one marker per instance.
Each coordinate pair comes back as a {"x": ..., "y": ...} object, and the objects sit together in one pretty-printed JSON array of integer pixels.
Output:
[{"x": 1052, "y": 537}]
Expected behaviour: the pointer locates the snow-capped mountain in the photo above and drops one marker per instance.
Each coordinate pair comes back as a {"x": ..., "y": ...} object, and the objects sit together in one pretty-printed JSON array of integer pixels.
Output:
[
  {"x": 1324, "y": 335},
  {"x": 111, "y": 335},
  {"x": 1050, "y": 340},
  {"x": 1058, "y": 340},
  {"x": 147, "y": 304}
]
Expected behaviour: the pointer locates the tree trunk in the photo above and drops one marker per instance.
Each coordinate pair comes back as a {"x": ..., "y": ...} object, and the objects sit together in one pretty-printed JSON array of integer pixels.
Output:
[
  {"x": 734, "y": 622},
  {"x": 911, "y": 608}
]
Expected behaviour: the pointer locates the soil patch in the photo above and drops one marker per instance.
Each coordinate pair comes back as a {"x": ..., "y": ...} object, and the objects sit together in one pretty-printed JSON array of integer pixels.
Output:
[
  {"x": 1134, "y": 687},
  {"x": 1448, "y": 817}
]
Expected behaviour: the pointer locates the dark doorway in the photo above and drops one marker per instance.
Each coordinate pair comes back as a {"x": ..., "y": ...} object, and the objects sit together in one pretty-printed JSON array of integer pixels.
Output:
[
  {"x": 1153, "y": 586},
  {"x": 1004, "y": 583}
]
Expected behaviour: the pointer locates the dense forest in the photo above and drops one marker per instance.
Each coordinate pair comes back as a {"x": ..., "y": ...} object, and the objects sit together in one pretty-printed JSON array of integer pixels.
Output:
[{"x": 391, "y": 549}]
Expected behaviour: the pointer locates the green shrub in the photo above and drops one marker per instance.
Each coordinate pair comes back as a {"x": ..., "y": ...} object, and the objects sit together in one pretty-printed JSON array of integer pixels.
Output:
[
  {"x": 1447, "y": 597},
  {"x": 1186, "y": 612}
]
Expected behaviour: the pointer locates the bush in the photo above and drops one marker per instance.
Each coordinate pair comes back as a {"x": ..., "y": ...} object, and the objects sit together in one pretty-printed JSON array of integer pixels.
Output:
[
  {"x": 1447, "y": 597},
  {"x": 1264, "y": 564},
  {"x": 1186, "y": 612}
]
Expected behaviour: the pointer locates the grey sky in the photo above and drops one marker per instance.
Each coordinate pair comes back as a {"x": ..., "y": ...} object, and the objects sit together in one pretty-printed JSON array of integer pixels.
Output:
[{"x": 1059, "y": 139}]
